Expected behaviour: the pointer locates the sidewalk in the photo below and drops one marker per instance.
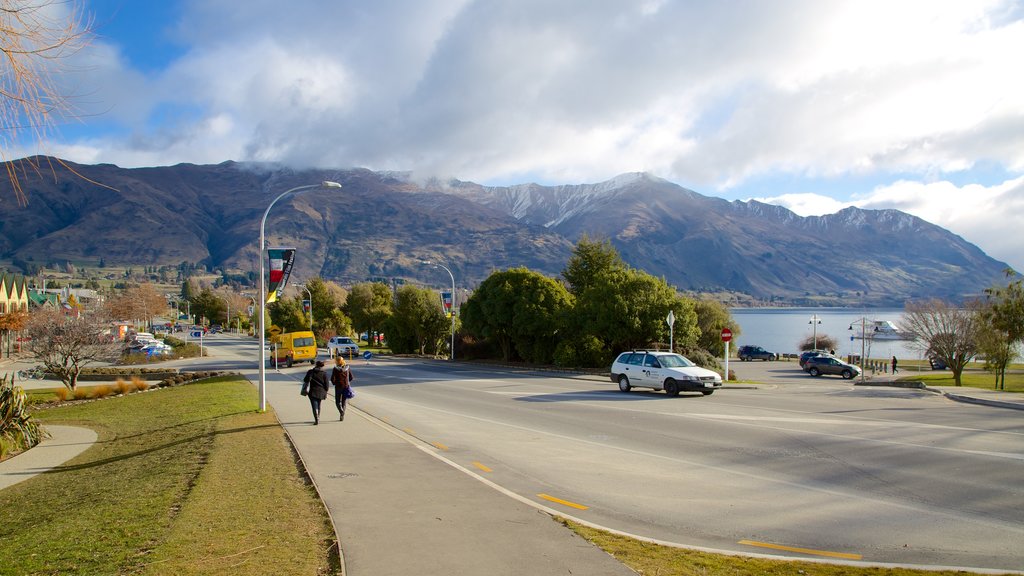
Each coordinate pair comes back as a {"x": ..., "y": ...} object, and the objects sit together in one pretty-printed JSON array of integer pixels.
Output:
[
  {"x": 398, "y": 510},
  {"x": 64, "y": 443}
]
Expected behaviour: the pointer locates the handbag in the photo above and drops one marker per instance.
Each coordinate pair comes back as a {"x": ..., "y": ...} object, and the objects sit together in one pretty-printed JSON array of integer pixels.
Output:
[
  {"x": 305, "y": 389},
  {"x": 348, "y": 392}
]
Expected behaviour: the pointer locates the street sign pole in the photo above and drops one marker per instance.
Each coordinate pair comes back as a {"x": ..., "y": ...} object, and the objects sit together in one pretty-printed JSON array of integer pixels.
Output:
[{"x": 726, "y": 337}]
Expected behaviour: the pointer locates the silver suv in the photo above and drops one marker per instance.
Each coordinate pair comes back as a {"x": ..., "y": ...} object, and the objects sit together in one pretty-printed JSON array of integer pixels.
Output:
[
  {"x": 342, "y": 345},
  {"x": 662, "y": 371}
]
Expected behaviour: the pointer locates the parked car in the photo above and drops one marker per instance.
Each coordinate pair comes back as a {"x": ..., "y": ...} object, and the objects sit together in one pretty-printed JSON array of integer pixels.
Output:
[
  {"x": 937, "y": 363},
  {"x": 811, "y": 354},
  {"x": 818, "y": 365},
  {"x": 342, "y": 345},
  {"x": 747, "y": 353},
  {"x": 661, "y": 370}
]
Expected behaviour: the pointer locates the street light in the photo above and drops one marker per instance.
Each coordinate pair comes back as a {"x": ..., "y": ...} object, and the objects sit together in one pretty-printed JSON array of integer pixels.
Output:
[
  {"x": 862, "y": 322},
  {"x": 451, "y": 356},
  {"x": 227, "y": 315},
  {"x": 814, "y": 322},
  {"x": 310, "y": 294},
  {"x": 263, "y": 286}
]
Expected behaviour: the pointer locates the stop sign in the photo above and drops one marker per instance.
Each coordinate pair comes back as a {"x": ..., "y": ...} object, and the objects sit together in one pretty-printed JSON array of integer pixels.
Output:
[{"x": 726, "y": 334}]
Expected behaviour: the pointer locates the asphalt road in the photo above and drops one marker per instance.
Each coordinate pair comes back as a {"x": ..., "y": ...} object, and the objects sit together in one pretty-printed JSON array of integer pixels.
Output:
[{"x": 819, "y": 467}]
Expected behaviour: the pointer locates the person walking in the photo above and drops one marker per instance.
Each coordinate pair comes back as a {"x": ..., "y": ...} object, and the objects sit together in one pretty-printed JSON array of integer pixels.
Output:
[
  {"x": 341, "y": 377},
  {"x": 316, "y": 386},
  {"x": 893, "y": 364}
]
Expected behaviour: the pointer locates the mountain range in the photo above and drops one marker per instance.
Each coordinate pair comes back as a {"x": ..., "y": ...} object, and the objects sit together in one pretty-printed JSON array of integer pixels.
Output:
[{"x": 384, "y": 224}]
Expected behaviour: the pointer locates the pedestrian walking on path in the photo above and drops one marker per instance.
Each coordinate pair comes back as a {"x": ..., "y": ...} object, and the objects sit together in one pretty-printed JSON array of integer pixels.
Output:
[
  {"x": 341, "y": 377},
  {"x": 316, "y": 386},
  {"x": 893, "y": 364}
]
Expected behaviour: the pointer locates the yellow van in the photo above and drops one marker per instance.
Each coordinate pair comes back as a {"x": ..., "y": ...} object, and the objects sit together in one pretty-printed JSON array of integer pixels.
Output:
[{"x": 292, "y": 347}]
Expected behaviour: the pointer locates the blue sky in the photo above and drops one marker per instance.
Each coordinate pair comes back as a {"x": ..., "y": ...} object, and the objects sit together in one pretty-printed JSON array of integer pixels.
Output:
[{"x": 914, "y": 104}]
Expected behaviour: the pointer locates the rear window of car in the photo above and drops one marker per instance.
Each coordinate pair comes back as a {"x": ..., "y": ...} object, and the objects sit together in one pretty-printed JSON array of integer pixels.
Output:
[{"x": 302, "y": 342}]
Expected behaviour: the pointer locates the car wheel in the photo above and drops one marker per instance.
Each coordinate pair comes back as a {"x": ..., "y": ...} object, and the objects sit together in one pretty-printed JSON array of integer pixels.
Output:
[
  {"x": 814, "y": 372},
  {"x": 624, "y": 384},
  {"x": 847, "y": 374},
  {"x": 744, "y": 358},
  {"x": 771, "y": 358},
  {"x": 671, "y": 387},
  {"x": 707, "y": 392}
]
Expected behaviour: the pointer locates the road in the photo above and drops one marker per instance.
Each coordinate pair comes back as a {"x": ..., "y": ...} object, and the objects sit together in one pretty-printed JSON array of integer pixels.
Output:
[{"x": 816, "y": 467}]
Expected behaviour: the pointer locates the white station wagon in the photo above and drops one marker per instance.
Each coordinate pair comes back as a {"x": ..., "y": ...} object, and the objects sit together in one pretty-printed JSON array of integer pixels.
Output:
[{"x": 662, "y": 370}]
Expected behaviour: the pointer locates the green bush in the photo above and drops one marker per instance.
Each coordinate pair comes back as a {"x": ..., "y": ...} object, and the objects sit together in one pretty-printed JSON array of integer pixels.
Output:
[
  {"x": 18, "y": 431},
  {"x": 584, "y": 351}
]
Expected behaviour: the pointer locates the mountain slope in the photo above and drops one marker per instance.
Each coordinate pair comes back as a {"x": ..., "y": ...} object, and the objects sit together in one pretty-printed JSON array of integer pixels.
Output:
[{"x": 384, "y": 224}]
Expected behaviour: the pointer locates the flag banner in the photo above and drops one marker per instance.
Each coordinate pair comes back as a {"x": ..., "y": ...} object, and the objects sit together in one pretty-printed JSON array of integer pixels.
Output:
[
  {"x": 446, "y": 300},
  {"x": 281, "y": 260},
  {"x": 305, "y": 306}
]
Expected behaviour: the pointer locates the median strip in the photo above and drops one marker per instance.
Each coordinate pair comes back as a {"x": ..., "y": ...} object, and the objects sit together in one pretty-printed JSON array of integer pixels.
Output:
[
  {"x": 563, "y": 502},
  {"x": 843, "y": 555}
]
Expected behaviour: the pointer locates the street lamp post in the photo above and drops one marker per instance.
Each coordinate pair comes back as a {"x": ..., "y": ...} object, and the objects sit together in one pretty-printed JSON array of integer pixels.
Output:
[
  {"x": 227, "y": 315},
  {"x": 451, "y": 356},
  {"x": 310, "y": 294},
  {"x": 862, "y": 322},
  {"x": 263, "y": 286},
  {"x": 814, "y": 322}
]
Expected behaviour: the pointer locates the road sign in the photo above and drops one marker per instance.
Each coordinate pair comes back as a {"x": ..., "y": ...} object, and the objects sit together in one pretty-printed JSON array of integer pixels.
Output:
[
  {"x": 726, "y": 335},
  {"x": 671, "y": 319},
  {"x": 196, "y": 334}
]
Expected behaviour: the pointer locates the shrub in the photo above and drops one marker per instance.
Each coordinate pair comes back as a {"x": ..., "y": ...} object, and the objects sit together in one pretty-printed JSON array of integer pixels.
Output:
[
  {"x": 581, "y": 351},
  {"x": 81, "y": 393},
  {"x": 62, "y": 393},
  {"x": 18, "y": 431},
  {"x": 123, "y": 387},
  {"x": 141, "y": 385},
  {"x": 102, "y": 391}
]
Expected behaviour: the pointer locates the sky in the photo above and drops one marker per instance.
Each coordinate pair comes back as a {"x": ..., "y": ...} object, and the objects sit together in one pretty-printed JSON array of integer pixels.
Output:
[{"x": 916, "y": 105}]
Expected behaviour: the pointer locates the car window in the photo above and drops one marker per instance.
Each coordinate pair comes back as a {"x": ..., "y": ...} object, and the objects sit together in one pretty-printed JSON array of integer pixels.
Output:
[
  {"x": 302, "y": 342},
  {"x": 636, "y": 359},
  {"x": 651, "y": 362},
  {"x": 676, "y": 361}
]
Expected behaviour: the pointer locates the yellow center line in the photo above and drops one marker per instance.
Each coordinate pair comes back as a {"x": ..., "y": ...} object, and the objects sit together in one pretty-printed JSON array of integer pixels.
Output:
[
  {"x": 439, "y": 446},
  {"x": 563, "y": 502},
  {"x": 409, "y": 431},
  {"x": 842, "y": 555},
  {"x": 482, "y": 467}
]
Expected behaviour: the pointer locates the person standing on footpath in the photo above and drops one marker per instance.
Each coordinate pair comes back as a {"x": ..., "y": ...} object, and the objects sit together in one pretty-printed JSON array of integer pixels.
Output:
[
  {"x": 316, "y": 386},
  {"x": 893, "y": 364},
  {"x": 341, "y": 377}
]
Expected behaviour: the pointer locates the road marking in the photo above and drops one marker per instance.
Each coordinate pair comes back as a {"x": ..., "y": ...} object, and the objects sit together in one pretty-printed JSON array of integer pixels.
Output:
[
  {"x": 563, "y": 502},
  {"x": 439, "y": 446},
  {"x": 409, "y": 431},
  {"x": 482, "y": 467},
  {"x": 843, "y": 555}
]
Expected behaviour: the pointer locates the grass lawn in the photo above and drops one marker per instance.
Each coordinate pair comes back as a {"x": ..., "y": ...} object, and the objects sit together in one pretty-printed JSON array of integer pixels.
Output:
[
  {"x": 653, "y": 559},
  {"x": 183, "y": 480},
  {"x": 970, "y": 378}
]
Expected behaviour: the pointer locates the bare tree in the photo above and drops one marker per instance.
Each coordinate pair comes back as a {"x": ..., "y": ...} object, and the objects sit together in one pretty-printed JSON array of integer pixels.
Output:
[
  {"x": 945, "y": 331},
  {"x": 137, "y": 302},
  {"x": 65, "y": 345},
  {"x": 35, "y": 35}
]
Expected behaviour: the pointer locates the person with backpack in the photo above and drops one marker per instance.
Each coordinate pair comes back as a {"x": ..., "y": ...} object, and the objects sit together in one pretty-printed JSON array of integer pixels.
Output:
[
  {"x": 316, "y": 386},
  {"x": 341, "y": 377}
]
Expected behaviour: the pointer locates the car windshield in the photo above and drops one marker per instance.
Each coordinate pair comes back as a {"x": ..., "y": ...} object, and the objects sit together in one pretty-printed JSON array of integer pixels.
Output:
[{"x": 675, "y": 361}]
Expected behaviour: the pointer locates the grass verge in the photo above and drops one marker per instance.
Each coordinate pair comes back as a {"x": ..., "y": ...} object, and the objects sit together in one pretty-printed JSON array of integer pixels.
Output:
[
  {"x": 183, "y": 480},
  {"x": 971, "y": 379},
  {"x": 653, "y": 559}
]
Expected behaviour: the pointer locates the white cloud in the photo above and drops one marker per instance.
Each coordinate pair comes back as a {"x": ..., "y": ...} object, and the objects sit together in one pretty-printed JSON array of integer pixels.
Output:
[{"x": 708, "y": 94}]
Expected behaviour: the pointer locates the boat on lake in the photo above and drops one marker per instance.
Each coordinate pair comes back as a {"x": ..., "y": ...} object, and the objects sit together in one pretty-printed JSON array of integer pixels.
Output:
[{"x": 883, "y": 330}]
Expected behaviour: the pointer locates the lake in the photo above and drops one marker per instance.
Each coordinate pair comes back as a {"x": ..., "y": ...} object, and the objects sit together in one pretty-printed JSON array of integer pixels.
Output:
[{"x": 781, "y": 330}]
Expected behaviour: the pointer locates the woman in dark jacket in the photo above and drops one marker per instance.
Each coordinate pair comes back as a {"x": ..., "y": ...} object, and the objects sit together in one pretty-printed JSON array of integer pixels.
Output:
[{"x": 316, "y": 385}]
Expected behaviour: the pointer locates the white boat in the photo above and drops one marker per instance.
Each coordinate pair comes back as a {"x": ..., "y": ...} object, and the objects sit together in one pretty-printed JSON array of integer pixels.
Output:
[{"x": 883, "y": 330}]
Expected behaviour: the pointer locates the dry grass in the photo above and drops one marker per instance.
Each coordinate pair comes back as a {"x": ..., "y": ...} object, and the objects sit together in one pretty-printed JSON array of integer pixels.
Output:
[
  {"x": 187, "y": 480},
  {"x": 654, "y": 560}
]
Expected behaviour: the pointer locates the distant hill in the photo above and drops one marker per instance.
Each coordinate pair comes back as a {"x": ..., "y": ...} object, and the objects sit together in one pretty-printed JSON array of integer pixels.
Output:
[{"x": 384, "y": 224}]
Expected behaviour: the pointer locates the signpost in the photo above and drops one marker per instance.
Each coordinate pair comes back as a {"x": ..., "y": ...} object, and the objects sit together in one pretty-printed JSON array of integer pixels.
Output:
[
  {"x": 199, "y": 334},
  {"x": 671, "y": 328},
  {"x": 726, "y": 337}
]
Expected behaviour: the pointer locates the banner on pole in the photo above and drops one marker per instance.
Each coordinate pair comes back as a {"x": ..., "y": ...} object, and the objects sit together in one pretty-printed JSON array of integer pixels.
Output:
[{"x": 281, "y": 260}]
